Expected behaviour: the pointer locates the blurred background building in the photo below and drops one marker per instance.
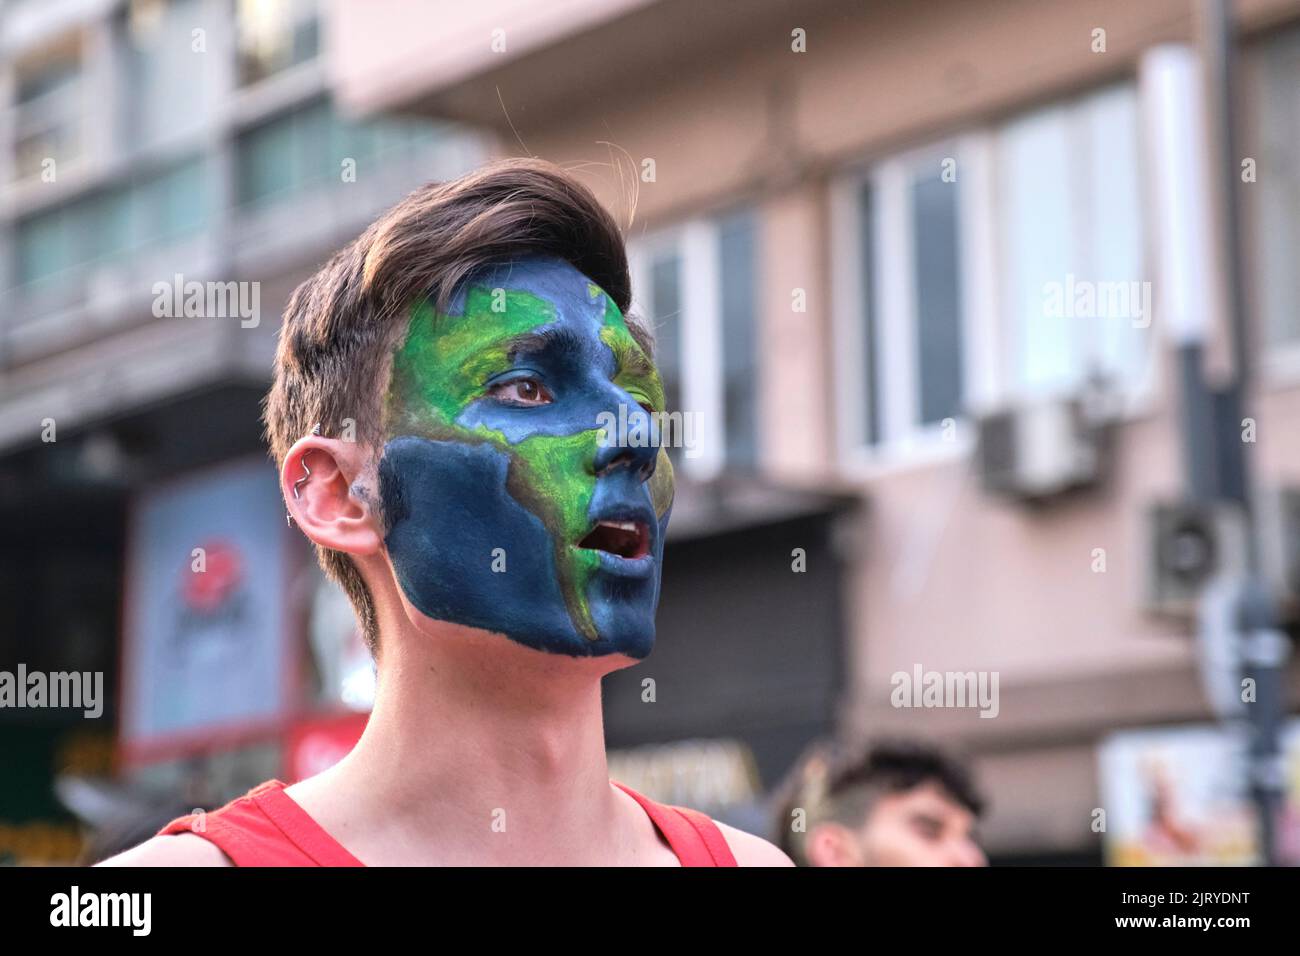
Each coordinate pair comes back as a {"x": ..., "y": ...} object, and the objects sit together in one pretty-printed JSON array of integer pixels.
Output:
[
  {"x": 874, "y": 237},
  {"x": 149, "y": 142}
]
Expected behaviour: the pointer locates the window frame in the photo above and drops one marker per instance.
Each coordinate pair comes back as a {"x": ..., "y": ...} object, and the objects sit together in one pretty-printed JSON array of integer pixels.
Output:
[
  {"x": 60, "y": 108},
  {"x": 902, "y": 437},
  {"x": 1136, "y": 399},
  {"x": 696, "y": 243}
]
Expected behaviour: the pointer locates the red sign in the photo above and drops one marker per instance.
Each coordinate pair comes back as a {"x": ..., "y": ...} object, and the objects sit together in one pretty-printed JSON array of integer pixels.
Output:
[{"x": 221, "y": 577}]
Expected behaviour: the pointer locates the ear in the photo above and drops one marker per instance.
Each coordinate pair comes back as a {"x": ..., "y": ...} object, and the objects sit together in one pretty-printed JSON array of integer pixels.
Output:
[
  {"x": 316, "y": 480},
  {"x": 832, "y": 844}
]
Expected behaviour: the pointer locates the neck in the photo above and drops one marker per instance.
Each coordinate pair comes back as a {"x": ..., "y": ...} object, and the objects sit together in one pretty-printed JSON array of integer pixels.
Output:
[{"x": 480, "y": 747}]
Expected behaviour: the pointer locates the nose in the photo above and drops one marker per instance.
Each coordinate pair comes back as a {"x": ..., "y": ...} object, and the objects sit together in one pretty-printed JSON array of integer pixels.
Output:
[
  {"x": 968, "y": 853},
  {"x": 632, "y": 442}
]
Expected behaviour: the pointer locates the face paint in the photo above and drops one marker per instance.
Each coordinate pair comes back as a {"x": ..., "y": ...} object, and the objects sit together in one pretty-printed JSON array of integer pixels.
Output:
[{"x": 509, "y": 508}]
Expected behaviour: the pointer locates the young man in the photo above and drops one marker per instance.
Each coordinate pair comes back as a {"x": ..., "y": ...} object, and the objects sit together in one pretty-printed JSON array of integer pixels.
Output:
[
  {"x": 892, "y": 804},
  {"x": 467, "y": 360}
]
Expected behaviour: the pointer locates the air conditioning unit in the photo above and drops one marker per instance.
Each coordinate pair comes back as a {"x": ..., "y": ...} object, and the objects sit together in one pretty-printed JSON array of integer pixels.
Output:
[
  {"x": 1037, "y": 450},
  {"x": 1187, "y": 545}
]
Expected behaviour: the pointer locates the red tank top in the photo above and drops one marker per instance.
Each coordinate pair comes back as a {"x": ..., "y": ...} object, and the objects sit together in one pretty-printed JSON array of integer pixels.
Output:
[{"x": 265, "y": 827}]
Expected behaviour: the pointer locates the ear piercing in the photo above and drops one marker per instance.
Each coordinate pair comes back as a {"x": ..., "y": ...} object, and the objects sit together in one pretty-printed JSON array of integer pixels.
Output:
[{"x": 306, "y": 473}]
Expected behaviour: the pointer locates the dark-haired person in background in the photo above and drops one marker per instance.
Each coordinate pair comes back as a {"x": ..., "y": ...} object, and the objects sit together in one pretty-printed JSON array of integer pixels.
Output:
[
  {"x": 500, "y": 537},
  {"x": 893, "y": 803}
]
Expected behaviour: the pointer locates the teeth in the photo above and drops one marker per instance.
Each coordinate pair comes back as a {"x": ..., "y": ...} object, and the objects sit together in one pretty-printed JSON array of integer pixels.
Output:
[{"x": 621, "y": 525}]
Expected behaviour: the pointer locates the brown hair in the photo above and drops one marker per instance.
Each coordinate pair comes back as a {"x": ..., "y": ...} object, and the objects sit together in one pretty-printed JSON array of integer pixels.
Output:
[{"x": 342, "y": 325}]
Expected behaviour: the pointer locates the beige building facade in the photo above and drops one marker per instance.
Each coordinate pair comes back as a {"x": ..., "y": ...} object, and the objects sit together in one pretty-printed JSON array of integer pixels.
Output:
[{"x": 886, "y": 314}]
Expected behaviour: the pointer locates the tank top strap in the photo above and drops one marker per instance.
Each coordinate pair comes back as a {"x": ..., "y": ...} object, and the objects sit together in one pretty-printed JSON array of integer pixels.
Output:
[
  {"x": 265, "y": 827},
  {"x": 694, "y": 837}
]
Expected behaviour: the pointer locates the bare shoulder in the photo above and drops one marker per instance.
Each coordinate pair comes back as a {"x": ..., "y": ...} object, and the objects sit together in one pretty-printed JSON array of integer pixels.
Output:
[
  {"x": 750, "y": 850},
  {"x": 180, "y": 849}
]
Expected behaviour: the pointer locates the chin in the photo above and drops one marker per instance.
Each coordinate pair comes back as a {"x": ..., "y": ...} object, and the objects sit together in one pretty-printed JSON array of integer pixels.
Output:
[
  {"x": 622, "y": 630},
  {"x": 618, "y": 634}
]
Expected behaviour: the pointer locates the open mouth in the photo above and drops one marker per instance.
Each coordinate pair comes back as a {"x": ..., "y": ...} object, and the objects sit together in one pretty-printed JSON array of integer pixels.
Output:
[{"x": 627, "y": 539}]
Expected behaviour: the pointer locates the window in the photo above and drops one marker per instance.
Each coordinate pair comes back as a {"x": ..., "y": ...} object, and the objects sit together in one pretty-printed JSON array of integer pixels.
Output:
[
  {"x": 275, "y": 35},
  {"x": 936, "y": 273},
  {"x": 697, "y": 283},
  {"x": 42, "y": 247},
  {"x": 991, "y": 268},
  {"x": 306, "y": 147},
  {"x": 866, "y": 309},
  {"x": 738, "y": 291},
  {"x": 1277, "y": 219},
  {"x": 665, "y": 311},
  {"x": 173, "y": 204},
  {"x": 1069, "y": 227},
  {"x": 658, "y": 279},
  {"x": 906, "y": 357},
  {"x": 111, "y": 224},
  {"x": 267, "y": 159},
  {"x": 173, "y": 89},
  {"x": 48, "y": 108}
]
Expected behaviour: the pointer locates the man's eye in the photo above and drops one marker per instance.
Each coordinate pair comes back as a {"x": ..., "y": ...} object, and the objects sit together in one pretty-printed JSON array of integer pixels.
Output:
[
  {"x": 521, "y": 391},
  {"x": 927, "y": 829}
]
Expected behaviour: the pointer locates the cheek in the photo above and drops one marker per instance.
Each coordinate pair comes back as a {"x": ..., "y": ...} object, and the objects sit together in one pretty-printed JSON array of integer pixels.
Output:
[
  {"x": 446, "y": 493},
  {"x": 453, "y": 527},
  {"x": 551, "y": 476},
  {"x": 662, "y": 484}
]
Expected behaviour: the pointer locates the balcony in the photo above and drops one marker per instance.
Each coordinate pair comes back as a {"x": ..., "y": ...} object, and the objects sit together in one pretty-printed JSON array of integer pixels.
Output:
[
  {"x": 463, "y": 61},
  {"x": 81, "y": 342}
]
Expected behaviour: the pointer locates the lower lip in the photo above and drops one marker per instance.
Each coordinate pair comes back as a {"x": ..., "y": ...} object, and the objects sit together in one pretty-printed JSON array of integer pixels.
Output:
[{"x": 642, "y": 567}]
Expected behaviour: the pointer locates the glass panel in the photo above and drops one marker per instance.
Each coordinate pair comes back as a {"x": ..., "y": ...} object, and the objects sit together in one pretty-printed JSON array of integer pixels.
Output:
[
  {"x": 275, "y": 35},
  {"x": 266, "y": 161},
  {"x": 938, "y": 299},
  {"x": 1038, "y": 245},
  {"x": 59, "y": 70},
  {"x": 112, "y": 225},
  {"x": 317, "y": 135},
  {"x": 172, "y": 87},
  {"x": 666, "y": 307},
  {"x": 1121, "y": 336},
  {"x": 1073, "y": 289},
  {"x": 867, "y": 310},
  {"x": 1278, "y": 235},
  {"x": 31, "y": 150},
  {"x": 357, "y": 141},
  {"x": 737, "y": 242},
  {"x": 307, "y": 147},
  {"x": 182, "y": 200},
  {"x": 47, "y": 114},
  {"x": 43, "y": 247}
]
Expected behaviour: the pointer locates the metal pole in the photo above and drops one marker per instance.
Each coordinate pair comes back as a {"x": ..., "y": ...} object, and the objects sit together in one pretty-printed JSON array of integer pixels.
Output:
[{"x": 1264, "y": 649}]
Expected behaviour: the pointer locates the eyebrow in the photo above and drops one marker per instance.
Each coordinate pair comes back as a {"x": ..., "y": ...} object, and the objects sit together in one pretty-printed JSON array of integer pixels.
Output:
[
  {"x": 628, "y": 359},
  {"x": 550, "y": 339},
  {"x": 633, "y": 361}
]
